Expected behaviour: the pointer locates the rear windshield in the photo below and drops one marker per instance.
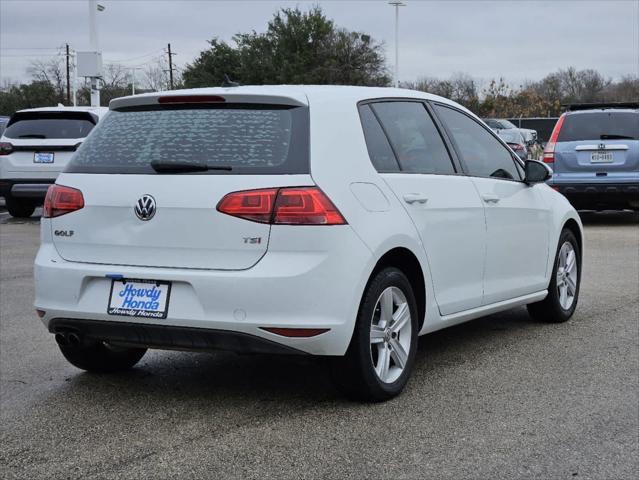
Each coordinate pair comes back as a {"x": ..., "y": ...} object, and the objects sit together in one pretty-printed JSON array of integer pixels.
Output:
[
  {"x": 240, "y": 138},
  {"x": 600, "y": 126},
  {"x": 50, "y": 125},
  {"x": 511, "y": 136}
]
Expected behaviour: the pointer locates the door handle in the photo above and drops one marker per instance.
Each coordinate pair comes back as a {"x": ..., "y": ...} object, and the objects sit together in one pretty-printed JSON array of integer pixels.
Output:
[
  {"x": 415, "y": 198},
  {"x": 488, "y": 198}
]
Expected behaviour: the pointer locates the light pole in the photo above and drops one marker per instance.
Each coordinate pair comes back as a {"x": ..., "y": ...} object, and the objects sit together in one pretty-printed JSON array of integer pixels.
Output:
[
  {"x": 397, "y": 4},
  {"x": 93, "y": 40},
  {"x": 132, "y": 73}
]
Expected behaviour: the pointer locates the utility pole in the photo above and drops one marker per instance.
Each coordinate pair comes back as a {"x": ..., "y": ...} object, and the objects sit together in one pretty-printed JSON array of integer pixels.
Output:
[
  {"x": 170, "y": 66},
  {"x": 397, "y": 4},
  {"x": 68, "y": 78}
]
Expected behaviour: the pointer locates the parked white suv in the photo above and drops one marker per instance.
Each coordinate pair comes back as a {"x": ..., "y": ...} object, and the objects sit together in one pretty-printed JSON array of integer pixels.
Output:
[
  {"x": 35, "y": 147},
  {"x": 338, "y": 221}
]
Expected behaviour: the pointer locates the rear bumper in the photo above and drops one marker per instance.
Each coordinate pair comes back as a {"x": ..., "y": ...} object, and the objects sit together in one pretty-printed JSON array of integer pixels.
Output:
[
  {"x": 293, "y": 289},
  {"x": 600, "y": 195},
  {"x": 27, "y": 188},
  {"x": 168, "y": 337}
]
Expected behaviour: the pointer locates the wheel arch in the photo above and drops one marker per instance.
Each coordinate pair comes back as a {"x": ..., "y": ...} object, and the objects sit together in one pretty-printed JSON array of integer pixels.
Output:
[
  {"x": 406, "y": 261},
  {"x": 572, "y": 225}
]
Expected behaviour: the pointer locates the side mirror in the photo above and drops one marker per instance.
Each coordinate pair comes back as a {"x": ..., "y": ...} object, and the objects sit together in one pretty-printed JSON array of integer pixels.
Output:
[{"x": 536, "y": 172}]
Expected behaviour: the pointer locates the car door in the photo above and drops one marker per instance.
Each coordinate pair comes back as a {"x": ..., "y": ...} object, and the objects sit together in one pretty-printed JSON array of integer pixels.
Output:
[
  {"x": 517, "y": 218},
  {"x": 407, "y": 149}
]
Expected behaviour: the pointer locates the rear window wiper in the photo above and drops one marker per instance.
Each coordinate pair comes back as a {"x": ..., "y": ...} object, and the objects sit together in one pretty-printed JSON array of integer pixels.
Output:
[
  {"x": 185, "y": 167},
  {"x": 612, "y": 136},
  {"x": 32, "y": 135}
]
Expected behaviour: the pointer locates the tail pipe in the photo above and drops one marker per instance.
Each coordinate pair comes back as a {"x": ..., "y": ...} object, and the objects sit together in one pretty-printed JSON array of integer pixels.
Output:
[{"x": 68, "y": 339}]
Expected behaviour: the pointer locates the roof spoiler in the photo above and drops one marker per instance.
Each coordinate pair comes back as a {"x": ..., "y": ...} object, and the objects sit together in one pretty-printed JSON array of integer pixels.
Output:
[{"x": 572, "y": 107}]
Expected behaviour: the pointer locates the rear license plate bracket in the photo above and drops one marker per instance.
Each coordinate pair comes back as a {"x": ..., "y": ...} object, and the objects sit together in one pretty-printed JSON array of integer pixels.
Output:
[
  {"x": 601, "y": 157},
  {"x": 139, "y": 298},
  {"x": 43, "y": 157}
]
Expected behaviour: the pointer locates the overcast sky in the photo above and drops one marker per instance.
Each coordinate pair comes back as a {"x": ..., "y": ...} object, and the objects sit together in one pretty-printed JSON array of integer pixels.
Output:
[{"x": 515, "y": 39}]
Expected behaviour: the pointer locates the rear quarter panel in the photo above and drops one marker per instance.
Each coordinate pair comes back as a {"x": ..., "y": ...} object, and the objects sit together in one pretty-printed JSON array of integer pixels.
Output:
[{"x": 339, "y": 159}]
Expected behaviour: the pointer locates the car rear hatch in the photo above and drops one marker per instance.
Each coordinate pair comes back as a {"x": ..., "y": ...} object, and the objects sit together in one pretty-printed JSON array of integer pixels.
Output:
[
  {"x": 602, "y": 143},
  {"x": 44, "y": 141},
  {"x": 153, "y": 156}
]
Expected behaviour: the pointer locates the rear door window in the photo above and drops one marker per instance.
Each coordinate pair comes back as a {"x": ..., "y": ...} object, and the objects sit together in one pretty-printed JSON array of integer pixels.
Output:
[
  {"x": 605, "y": 125},
  {"x": 414, "y": 137},
  {"x": 239, "y": 138},
  {"x": 50, "y": 125},
  {"x": 379, "y": 150},
  {"x": 483, "y": 154}
]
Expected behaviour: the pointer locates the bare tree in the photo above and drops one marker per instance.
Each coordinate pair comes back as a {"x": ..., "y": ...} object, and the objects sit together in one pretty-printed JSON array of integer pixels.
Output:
[
  {"x": 115, "y": 75},
  {"x": 51, "y": 71},
  {"x": 155, "y": 78}
]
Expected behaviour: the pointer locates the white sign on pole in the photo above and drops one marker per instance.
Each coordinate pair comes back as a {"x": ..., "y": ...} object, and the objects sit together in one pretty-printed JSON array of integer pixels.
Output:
[{"x": 89, "y": 64}]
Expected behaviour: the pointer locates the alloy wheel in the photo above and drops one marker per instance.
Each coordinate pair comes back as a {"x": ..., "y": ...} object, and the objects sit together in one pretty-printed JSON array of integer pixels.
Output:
[
  {"x": 567, "y": 276},
  {"x": 391, "y": 330}
]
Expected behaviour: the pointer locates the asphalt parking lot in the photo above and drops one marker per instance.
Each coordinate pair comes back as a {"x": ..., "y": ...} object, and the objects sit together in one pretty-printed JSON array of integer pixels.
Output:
[{"x": 502, "y": 396}]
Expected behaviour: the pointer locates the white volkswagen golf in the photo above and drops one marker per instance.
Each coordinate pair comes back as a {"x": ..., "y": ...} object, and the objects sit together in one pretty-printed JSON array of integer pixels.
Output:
[{"x": 336, "y": 221}]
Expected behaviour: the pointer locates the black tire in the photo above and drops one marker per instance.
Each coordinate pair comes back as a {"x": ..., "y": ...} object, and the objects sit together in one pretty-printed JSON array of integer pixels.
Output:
[
  {"x": 19, "y": 208},
  {"x": 550, "y": 309},
  {"x": 99, "y": 357},
  {"x": 354, "y": 374}
]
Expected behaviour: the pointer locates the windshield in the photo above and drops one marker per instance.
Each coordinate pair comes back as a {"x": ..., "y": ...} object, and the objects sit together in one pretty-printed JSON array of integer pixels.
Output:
[
  {"x": 600, "y": 126},
  {"x": 58, "y": 125},
  {"x": 242, "y": 138},
  {"x": 511, "y": 136},
  {"x": 506, "y": 124}
]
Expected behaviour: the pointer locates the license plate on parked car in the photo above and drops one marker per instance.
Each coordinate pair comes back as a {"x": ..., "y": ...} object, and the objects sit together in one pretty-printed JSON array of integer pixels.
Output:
[
  {"x": 601, "y": 157},
  {"x": 43, "y": 157},
  {"x": 139, "y": 298}
]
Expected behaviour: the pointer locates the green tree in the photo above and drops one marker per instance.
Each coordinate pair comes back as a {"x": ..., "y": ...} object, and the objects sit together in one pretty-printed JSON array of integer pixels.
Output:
[
  {"x": 297, "y": 48},
  {"x": 27, "y": 95}
]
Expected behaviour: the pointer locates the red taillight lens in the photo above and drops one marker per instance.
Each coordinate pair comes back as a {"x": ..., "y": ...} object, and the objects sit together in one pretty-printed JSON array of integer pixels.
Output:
[
  {"x": 283, "y": 206},
  {"x": 5, "y": 148},
  {"x": 61, "y": 200},
  {"x": 305, "y": 206},
  {"x": 549, "y": 151},
  {"x": 516, "y": 147},
  {"x": 255, "y": 205}
]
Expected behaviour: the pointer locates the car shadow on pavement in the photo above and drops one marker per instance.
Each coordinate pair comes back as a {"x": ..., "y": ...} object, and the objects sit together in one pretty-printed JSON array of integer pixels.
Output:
[
  {"x": 609, "y": 218},
  {"x": 246, "y": 379}
]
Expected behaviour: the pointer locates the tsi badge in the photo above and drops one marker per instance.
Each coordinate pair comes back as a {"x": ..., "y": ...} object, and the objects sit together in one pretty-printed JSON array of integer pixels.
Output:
[{"x": 145, "y": 207}]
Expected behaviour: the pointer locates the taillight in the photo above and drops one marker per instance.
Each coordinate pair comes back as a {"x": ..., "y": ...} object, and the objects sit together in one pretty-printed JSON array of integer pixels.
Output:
[
  {"x": 6, "y": 148},
  {"x": 549, "y": 150},
  {"x": 283, "y": 206},
  {"x": 516, "y": 147},
  {"x": 61, "y": 200},
  {"x": 305, "y": 206},
  {"x": 256, "y": 205},
  {"x": 191, "y": 99}
]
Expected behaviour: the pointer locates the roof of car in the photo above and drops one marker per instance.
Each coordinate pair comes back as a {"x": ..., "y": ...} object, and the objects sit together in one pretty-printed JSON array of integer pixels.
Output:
[
  {"x": 295, "y": 94},
  {"x": 99, "y": 111}
]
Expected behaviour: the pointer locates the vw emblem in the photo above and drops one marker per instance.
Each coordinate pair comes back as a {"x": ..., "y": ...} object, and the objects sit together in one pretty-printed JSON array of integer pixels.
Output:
[{"x": 145, "y": 207}]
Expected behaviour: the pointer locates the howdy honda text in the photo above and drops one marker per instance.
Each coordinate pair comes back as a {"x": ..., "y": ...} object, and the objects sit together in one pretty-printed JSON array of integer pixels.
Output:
[{"x": 139, "y": 298}]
